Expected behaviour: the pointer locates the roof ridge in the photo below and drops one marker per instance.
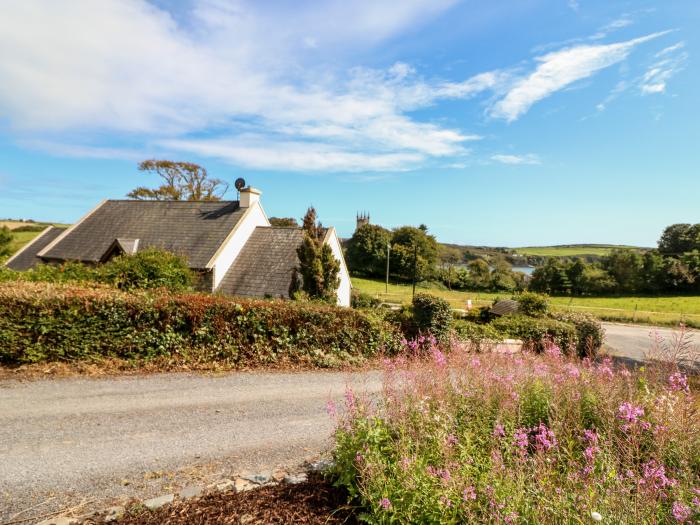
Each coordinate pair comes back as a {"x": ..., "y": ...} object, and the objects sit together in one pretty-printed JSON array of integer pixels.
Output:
[{"x": 171, "y": 202}]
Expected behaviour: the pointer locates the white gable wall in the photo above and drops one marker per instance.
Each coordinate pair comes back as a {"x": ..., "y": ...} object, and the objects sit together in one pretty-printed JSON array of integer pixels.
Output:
[
  {"x": 345, "y": 287},
  {"x": 232, "y": 246}
]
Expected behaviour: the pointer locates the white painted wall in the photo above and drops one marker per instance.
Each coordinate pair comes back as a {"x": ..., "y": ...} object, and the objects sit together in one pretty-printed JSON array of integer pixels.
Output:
[
  {"x": 222, "y": 261},
  {"x": 345, "y": 287}
]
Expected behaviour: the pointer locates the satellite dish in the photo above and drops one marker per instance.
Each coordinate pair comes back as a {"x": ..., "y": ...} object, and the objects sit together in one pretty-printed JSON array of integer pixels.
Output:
[{"x": 240, "y": 183}]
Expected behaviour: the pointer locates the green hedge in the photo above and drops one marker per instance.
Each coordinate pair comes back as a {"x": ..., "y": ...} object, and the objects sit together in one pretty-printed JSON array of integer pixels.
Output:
[
  {"x": 150, "y": 268},
  {"x": 535, "y": 331},
  {"x": 53, "y": 322},
  {"x": 589, "y": 331},
  {"x": 476, "y": 332}
]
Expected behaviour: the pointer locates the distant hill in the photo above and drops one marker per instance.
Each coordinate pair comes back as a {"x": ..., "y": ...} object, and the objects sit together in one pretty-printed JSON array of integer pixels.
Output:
[{"x": 573, "y": 250}]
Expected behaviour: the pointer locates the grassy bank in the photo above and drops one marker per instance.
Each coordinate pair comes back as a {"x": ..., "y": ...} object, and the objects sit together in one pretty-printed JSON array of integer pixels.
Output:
[{"x": 669, "y": 310}]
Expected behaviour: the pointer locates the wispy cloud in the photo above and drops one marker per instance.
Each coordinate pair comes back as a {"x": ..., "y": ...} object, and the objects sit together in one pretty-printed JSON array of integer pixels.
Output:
[
  {"x": 238, "y": 81},
  {"x": 505, "y": 158},
  {"x": 558, "y": 70},
  {"x": 669, "y": 61}
]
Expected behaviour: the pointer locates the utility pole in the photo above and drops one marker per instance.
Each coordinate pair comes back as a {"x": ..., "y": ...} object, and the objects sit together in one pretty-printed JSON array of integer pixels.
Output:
[
  {"x": 388, "y": 247},
  {"x": 415, "y": 260}
]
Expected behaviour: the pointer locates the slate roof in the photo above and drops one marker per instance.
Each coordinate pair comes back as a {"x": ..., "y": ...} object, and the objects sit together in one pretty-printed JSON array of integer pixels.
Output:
[
  {"x": 26, "y": 259},
  {"x": 504, "y": 307},
  {"x": 264, "y": 266},
  {"x": 194, "y": 230}
]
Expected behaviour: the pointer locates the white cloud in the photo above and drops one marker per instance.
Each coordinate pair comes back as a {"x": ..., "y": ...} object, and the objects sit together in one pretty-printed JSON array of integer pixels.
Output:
[
  {"x": 670, "y": 61},
  {"x": 559, "y": 69},
  {"x": 296, "y": 155},
  {"x": 127, "y": 66},
  {"x": 258, "y": 84},
  {"x": 505, "y": 158}
]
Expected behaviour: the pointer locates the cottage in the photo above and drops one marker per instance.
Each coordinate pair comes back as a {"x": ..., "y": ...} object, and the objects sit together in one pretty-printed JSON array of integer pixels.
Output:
[{"x": 231, "y": 244}]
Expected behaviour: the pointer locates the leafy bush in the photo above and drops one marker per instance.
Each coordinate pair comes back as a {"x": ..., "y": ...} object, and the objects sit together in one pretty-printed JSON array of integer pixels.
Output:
[
  {"x": 432, "y": 315},
  {"x": 532, "y": 304},
  {"x": 363, "y": 300},
  {"x": 5, "y": 240},
  {"x": 44, "y": 322},
  {"x": 589, "y": 331},
  {"x": 476, "y": 333},
  {"x": 150, "y": 268},
  {"x": 521, "y": 439},
  {"x": 536, "y": 332}
]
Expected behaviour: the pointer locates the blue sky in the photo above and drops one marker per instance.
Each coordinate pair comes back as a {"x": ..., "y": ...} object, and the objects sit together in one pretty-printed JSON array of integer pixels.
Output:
[{"x": 504, "y": 123}]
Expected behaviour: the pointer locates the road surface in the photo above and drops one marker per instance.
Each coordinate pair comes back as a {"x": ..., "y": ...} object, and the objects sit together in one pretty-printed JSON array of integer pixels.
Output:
[
  {"x": 63, "y": 440},
  {"x": 633, "y": 342}
]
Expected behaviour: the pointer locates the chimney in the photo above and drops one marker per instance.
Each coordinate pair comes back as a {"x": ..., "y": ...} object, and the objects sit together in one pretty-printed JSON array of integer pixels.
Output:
[{"x": 249, "y": 196}]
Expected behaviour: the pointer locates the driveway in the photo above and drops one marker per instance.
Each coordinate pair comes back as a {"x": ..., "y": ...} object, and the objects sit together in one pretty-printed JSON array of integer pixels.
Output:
[{"x": 64, "y": 440}]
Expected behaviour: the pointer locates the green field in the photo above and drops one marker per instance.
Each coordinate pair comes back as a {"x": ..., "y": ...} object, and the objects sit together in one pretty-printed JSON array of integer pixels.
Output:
[
  {"x": 572, "y": 250},
  {"x": 22, "y": 238},
  {"x": 649, "y": 310}
]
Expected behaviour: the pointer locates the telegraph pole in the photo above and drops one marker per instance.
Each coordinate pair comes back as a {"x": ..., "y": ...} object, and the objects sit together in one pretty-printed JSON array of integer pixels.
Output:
[
  {"x": 415, "y": 260},
  {"x": 388, "y": 247}
]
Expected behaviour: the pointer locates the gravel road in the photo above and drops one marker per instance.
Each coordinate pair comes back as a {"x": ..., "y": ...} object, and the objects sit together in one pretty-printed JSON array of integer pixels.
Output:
[{"x": 65, "y": 440}]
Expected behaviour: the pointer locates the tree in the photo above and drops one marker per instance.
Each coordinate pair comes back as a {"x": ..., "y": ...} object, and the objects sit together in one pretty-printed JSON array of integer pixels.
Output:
[
  {"x": 413, "y": 246},
  {"x": 5, "y": 240},
  {"x": 502, "y": 275},
  {"x": 366, "y": 250},
  {"x": 625, "y": 266},
  {"x": 575, "y": 272},
  {"x": 479, "y": 274},
  {"x": 449, "y": 256},
  {"x": 551, "y": 278},
  {"x": 318, "y": 267},
  {"x": 284, "y": 222},
  {"x": 679, "y": 238},
  {"x": 183, "y": 181}
]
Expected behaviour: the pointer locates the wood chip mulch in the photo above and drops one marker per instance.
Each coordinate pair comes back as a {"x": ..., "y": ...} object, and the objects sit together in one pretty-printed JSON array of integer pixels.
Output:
[{"x": 312, "y": 502}]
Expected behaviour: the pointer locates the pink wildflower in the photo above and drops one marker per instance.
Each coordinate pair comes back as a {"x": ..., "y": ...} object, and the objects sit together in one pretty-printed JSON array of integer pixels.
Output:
[
  {"x": 544, "y": 438},
  {"x": 572, "y": 370},
  {"x": 521, "y": 438},
  {"x": 680, "y": 511},
  {"x": 629, "y": 412},
  {"x": 385, "y": 503},
  {"x": 445, "y": 501},
  {"x": 553, "y": 351},
  {"x": 591, "y": 436},
  {"x": 590, "y": 453},
  {"x": 439, "y": 357},
  {"x": 451, "y": 440},
  {"x": 499, "y": 431},
  {"x": 469, "y": 493},
  {"x": 654, "y": 476},
  {"x": 349, "y": 399},
  {"x": 678, "y": 382},
  {"x": 331, "y": 408}
]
